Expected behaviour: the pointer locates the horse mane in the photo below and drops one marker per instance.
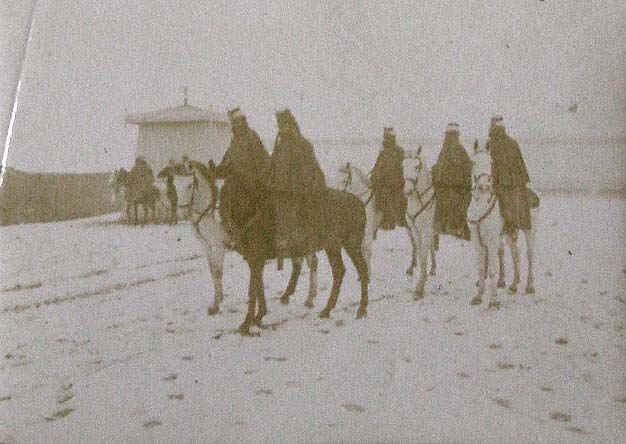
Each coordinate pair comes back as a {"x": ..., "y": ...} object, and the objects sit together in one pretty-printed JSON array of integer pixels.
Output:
[{"x": 208, "y": 175}]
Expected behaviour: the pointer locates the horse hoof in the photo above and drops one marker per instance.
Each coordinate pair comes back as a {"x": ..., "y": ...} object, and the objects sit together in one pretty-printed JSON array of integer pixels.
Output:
[
  {"x": 495, "y": 305},
  {"x": 308, "y": 303},
  {"x": 362, "y": 313},
  {"x": 513, "y": 289},
  {"x": 418, "y": 295},
  {"x": 212, "y": 311},
  {"x": 530, "y": 289},
  {"x": 284, "y": 300},
  {"x": 476, "y": 301},
  {"x": 433, "y": 273},
  {"x": 501, "y": 284},
  {"x": 324, "y": 314},
  {"x": 244, "y": 329},
  {"x": 409, "y": 272}
]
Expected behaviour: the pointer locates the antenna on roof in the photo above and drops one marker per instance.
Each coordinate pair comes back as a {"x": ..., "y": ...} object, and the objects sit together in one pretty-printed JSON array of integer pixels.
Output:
[{"x": 184, "y": 95}]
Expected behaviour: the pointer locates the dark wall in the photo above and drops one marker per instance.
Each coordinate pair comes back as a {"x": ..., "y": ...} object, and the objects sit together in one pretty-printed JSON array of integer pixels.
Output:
[{"x": 42, "y": 197}]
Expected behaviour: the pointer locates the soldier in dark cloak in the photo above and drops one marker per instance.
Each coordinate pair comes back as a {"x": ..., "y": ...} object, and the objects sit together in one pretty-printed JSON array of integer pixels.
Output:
[
  {"x": 294, "y": 176},
  {"x": 510, "y": 178},
  {"x": 242, "y": 168},
  {"x": 141, "y": 176},
  {"x": 171, "y": 170},
  {"x": 387, "y": 180},
  {"x": 452, "y": 179}
]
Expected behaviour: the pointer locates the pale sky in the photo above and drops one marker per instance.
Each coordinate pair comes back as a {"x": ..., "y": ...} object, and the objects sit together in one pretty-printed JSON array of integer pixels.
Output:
[{"x": 344, "y": 68}]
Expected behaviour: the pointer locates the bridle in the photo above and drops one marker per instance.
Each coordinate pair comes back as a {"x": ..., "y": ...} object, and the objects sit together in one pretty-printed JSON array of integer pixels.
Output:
[
  {"x": 209, "y": 211},
  {"x": 490, "y": 207},
  {"x": 420, "y": 197},
  {"x": 348, "y": 182}
]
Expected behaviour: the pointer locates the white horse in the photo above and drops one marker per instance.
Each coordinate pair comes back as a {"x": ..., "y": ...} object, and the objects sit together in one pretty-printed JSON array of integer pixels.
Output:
[
  {"x": 119, "y": 193},
  {"x": 163, "y": 204},
  {"x": 486, "y": 226},
  {"x": 421, "y": 202},
  {"x": 355, "y": 181},
  {"x": 199, "y": 198}
]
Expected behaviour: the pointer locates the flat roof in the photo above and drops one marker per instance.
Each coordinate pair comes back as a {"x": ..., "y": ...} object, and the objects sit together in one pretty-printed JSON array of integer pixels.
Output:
[{"x": 178, "y": 114}]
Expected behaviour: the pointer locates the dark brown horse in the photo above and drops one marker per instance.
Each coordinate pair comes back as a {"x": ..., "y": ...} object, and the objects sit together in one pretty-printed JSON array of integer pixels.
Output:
[
  {"x": 137, "y": 192},
  {"x": 339, "y": 219}
]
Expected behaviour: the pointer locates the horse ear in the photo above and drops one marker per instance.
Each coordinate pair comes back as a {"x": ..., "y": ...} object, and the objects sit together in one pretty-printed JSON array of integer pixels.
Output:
[
  {"x": 475, "y": 146},
  {"x": 419, "y": 150},
  {"x": 348, "y": 165}
]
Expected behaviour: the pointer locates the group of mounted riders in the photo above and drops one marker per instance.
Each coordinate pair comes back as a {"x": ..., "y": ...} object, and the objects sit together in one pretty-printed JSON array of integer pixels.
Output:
[{"x": 291, "y": 176}]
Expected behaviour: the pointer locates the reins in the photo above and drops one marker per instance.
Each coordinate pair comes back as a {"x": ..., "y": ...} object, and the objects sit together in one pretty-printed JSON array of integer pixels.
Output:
[
  {"x": 420, "y": 199},
  {"x": 208, "y": 211},
  {"x": 348, "y": 182}
]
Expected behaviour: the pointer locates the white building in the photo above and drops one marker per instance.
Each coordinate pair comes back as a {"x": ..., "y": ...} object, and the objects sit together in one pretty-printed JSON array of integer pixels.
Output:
[{"x": 182, "y": 130}]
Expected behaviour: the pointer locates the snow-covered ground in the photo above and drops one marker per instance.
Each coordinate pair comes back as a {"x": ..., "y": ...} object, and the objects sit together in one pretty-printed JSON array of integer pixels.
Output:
[{"x": 105, "y": 339}]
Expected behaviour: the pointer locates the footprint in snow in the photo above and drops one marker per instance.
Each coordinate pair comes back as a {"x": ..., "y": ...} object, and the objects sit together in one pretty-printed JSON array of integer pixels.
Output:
[
  {"x": 354, "y": 408},
  {"x": 178, "y": 397},
  {"x": 561, "y": 341},
  {"x": 151, "y": 424},
  {"x": 59, "y": 415},
  {"x": 560, "y": 417},
  {"x": 576, "y": 430},
  {"x": 263, "y": 391},
  {"x": 171, "y": 377},
  {"x": 66, "y": 394},
  {"x": 546, "y": 388},
  {"x": 275, "y": 359},
  {"x": 505, "y": 365},
  {"x": 502, "y": 402}
]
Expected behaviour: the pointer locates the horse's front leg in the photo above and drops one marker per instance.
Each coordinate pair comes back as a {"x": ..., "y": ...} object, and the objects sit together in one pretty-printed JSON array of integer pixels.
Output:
[
  {"x": 296, "y": 267},
  {"x": 409, "y": 271},
  {"x": 433, "y": 261},
  {"x": 512, "y": 243},
  {"x": 501, "y": 272},
  {"x": 244, "y": 328},
  {"x": 530, "y": 255},
  {"x": 215, "y": 258},
  {"x": 260, "y": 297},
  {"x": 311, "y": 261},
  {"x": 423, "y": 251},
  {"x": 481, "y": 258},
  {"x": 492, "y": 261}
]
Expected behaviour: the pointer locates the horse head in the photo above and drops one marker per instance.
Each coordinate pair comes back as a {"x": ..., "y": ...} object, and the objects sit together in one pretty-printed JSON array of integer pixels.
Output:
[
  {"x": 481, "y": 170},
  {"x": 197, "y": 192},
  {"x": 345, "y": 176},
  {"x": 414, "y": 170}
]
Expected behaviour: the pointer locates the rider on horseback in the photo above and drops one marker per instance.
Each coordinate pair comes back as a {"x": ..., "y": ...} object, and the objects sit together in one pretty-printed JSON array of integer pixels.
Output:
[
  {"x": 510, "y": 178},
  {"x": 142, "y": 173},
  {"x": 452, "y": 178},
  {"x": 242, "y": 169},
  {"x": 293, "y": 176},
  {"x": 387, "y": 179}
]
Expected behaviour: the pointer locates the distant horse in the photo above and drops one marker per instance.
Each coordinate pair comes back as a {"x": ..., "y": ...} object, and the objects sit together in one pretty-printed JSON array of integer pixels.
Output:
[
  {"x": 420, "y": 195},
  {"x": 486, "y": 226},
  {"x": 339, "y": 222},
  {"x": 117, "y": 182},
  {"x": 136, "y": 193},
  {"x": 355, "y": 181},
  {"x": 208, "y": 229}
]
